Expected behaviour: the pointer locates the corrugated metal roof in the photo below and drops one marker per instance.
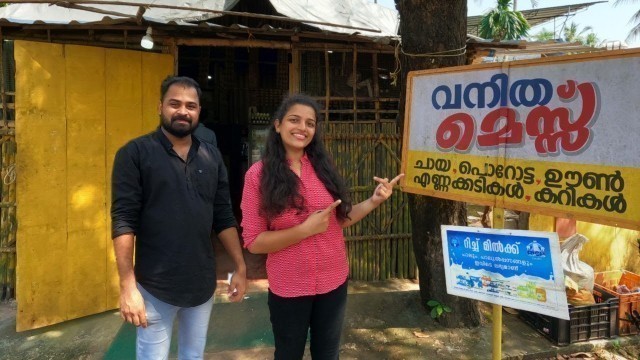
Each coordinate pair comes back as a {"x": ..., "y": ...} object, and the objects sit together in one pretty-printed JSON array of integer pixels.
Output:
[
  {"x": 95, "y": 13},
  {"x": 356, "y": 13},
  {"x": 340, "y": 16},
  {"x": 537, "y": 16}
]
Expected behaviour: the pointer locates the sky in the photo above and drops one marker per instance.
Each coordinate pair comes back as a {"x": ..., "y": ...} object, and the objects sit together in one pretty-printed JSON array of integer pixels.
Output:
[{"x": 610, "y": 23}]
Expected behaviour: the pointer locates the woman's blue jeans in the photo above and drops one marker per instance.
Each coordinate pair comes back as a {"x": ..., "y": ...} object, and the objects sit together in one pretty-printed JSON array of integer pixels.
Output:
[{"x": 193, "y": 322}]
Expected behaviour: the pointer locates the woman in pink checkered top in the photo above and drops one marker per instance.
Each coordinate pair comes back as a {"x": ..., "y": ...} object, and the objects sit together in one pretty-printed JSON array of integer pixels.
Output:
[{"x": 294, "y": 207}]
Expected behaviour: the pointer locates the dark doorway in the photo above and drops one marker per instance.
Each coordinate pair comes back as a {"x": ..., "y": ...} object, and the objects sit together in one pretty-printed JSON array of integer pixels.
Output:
[{"x": 241, "y": 89}]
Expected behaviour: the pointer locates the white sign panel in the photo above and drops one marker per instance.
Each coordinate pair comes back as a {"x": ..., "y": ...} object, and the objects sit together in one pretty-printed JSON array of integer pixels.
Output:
[
  {"x": 557, "y": 136},
  {"x": 515, "y": 268}
]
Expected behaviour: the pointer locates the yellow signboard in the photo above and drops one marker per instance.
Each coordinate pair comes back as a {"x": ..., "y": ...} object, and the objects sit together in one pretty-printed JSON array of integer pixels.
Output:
[{"x": 553, "y": 136}]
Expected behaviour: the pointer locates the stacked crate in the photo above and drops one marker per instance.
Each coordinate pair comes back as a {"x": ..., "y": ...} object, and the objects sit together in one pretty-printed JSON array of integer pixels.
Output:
[
  {"x": 628, "y": 321},
  {"x": 588, "y": 322}
]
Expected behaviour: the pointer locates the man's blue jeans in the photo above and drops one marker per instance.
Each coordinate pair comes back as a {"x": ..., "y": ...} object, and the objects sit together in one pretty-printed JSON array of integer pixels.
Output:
[{"x": 193, "y": 322}]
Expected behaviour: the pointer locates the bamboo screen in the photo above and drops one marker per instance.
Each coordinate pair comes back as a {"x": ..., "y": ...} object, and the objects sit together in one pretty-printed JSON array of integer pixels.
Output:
[
  {"x": 361, "y": 132},
  {"x": 7, "y": 165}
]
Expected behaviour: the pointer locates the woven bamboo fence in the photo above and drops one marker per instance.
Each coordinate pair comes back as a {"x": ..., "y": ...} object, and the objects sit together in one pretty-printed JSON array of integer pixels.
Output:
[
  {"x": 8, "y": 218},
  {"x": 8, "y": 224},
  {"x": 364, "y": 140},
  {"x": 379, "y": 247}
]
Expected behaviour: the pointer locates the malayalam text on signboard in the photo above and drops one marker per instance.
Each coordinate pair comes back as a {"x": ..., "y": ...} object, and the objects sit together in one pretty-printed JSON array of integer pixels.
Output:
[
  {"x": 554, "y": 136},
  {"x": 520, "y": 269}
]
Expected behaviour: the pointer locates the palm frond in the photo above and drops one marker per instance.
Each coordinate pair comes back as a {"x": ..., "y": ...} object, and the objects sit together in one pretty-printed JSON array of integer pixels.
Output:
[
  {"x": 544, "y": 35},
  {"x": 591, "y": 40},
  {"x": 503, "y": 24},
  {"x": 634, "y": 33},
  {"x": 504, "y": 4},
  {"x": 622, "y": 2}
]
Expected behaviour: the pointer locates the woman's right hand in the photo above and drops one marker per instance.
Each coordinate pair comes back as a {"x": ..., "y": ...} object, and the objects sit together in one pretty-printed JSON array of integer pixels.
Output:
[{"x": 318, "y": 221}]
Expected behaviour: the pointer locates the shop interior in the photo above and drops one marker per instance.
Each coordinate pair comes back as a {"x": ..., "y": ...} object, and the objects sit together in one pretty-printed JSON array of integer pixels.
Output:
[{"x": 242, "y": 87}]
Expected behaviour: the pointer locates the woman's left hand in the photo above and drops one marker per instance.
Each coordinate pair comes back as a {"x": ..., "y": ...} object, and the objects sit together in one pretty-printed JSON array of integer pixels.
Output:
[{"x": 384, "y": 189}]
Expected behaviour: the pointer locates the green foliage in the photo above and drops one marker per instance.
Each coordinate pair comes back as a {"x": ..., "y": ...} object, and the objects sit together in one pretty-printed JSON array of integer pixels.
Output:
[
  {"x": 592, "y": 40},
  {"x": 635, "y": 20},
  {"x": 502, "y": 23},
  {"x": 437, "y": 308},
  {"x": 573, "y": 33},
  {"x": 616, "y": 345},
  {"x": 544, "y": 35}
]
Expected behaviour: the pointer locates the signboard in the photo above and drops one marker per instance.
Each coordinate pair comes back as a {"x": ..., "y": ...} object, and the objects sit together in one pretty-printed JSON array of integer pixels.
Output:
[
  {"x": 515, "y": 268},
  {"x": 558, "y": 136}
]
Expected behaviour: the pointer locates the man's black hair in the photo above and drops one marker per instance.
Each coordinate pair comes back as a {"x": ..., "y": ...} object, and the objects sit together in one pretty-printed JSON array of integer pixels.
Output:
[{"x": 180, "y": 80}]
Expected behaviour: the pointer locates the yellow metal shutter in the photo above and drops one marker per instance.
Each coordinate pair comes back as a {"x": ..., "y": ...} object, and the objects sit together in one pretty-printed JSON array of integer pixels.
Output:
[{"x": 75, "y": 106}]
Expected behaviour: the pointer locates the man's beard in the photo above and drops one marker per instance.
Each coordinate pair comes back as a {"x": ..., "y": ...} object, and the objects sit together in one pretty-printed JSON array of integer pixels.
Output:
[{"x": 177, "y": 129}]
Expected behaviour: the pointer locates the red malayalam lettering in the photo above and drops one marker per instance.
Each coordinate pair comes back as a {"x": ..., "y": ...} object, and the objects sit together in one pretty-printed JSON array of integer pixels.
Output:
[{"x": 552, "y": 129}]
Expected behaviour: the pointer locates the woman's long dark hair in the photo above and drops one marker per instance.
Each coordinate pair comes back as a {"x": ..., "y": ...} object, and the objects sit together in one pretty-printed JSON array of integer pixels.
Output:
[{"x": 280, "y": 185}]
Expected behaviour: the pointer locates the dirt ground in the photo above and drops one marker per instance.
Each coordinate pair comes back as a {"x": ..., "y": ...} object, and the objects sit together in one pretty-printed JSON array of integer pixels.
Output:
[
  {"x": 384, "y": 320},
  {"x": 396, "y": 326},
  {"x": 613, "y": 353}
]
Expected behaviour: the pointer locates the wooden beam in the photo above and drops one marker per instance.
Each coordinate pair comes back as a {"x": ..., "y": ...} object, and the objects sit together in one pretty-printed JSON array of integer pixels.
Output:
[
  {"x": 320, "y": 39},
  {"x": 376, "y": 90},
  {"x": 327, "y": 89},
  {"x": 172, "y": 49},
  {"x": 139, "y": 14},
  {"x": 106, "y": 27},
  {"x": 2, "y": 86},
  {"x": 112, "y": 45},
  {"x": 93, "y": 9},
  {"x": 294, "y": 70},
  {"x": 362, "y": 47},
  {"x": 234, "y": 43},
  {"x": 355, "y": 83}
]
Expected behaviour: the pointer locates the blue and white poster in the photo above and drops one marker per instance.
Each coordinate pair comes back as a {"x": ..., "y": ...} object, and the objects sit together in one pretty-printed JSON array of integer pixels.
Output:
[{"x": 515, "y": 268}]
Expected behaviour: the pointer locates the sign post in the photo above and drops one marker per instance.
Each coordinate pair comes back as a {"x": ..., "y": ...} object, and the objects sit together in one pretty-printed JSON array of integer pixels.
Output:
[
  {"x": 556, "y": 136},
  {"x": 496, "y": 332},
  {"x": 515, "y": 268}
]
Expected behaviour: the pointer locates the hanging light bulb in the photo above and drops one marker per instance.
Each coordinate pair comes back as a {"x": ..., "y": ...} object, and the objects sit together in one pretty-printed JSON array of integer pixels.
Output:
[{"x": 147, "y": 41}]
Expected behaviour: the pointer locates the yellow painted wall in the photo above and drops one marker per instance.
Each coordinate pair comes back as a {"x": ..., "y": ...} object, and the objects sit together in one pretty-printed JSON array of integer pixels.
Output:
[
  {"x": 610, "y": 248},
  {"x": 539, "y": 222},
  {"x": 75, "y": 106}
]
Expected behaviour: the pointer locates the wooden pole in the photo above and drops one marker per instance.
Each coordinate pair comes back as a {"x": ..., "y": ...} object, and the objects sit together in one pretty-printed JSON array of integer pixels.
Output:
[
  {"x": 355, "y": 83},
  {"x": 294, "y": 70},
  {"x": 327, "y": 88},
  {"x": 2, "y": 83},
  {"x": 498, "y": 223},
  {"x": 497, "y": 332}
]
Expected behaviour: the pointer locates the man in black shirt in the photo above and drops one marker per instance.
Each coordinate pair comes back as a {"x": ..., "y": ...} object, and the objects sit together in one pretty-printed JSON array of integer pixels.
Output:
[{"x": 169, "y": 192}]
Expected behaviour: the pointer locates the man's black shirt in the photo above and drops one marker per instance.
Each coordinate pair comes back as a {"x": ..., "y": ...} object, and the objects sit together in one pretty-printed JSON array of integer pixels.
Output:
[{"x": 171, "y": 206}]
